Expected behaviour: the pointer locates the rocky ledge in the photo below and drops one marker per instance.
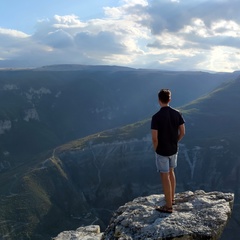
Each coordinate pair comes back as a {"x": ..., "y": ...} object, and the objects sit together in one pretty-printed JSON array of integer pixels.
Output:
[
  {"x": 196, "y": 215},
  {"x": 83, "y": 233}
]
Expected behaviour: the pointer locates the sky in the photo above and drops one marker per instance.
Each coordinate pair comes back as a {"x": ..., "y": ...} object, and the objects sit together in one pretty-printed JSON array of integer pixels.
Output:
[{"x": 175, "y": 35}]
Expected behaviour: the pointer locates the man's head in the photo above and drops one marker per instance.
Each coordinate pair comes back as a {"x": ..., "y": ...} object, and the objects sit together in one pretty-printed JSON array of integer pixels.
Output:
[{"x": 164, "y": 96}]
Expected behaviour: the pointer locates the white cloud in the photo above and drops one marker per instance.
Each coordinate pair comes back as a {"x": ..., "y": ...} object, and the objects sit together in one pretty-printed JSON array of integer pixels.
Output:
[
  {"x": 226, "y": 28},
  {"x": 169, "y": 34},
  {"x": 69, "y": 21},
  {"x": 12, "y": 33},
  {"x": 58, "y": 39}
]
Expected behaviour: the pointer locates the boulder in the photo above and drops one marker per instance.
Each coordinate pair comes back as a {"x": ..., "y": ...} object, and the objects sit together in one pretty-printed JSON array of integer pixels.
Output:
[{"x": 91, "y": 232}]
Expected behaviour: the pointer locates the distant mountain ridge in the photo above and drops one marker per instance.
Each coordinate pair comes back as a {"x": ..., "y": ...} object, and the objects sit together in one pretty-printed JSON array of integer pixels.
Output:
[
  {"x": 40, "y": 109},
  {"x": 79, "y": 67},
  {"x": 45, "y": 191}
]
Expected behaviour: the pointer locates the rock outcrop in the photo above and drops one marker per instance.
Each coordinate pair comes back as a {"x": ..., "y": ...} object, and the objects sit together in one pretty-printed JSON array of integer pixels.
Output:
[
  {"x": 196, "y": 215},
  {"x": 84, "y": 233}
]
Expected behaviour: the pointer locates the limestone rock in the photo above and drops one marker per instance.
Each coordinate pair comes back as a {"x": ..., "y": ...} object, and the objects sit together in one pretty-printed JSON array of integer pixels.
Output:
[
  {"x": 91, "y": 232},
  {"x": 196, "y": 215}
]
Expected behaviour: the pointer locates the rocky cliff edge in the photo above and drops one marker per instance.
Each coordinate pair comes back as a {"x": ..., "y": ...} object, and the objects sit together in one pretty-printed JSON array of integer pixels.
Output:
[{"x": 196, "y": 215}]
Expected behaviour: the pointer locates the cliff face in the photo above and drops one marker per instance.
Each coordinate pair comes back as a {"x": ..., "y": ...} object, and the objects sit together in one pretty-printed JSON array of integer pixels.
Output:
[
  {"x": 196, "y": 215},
  {"x": 110, "y": 174},
  {"x": 128, "y": 158}
]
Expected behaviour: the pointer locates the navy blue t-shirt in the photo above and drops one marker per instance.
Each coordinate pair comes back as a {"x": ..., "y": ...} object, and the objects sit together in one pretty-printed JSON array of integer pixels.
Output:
[{"x": 167, "y": 121}]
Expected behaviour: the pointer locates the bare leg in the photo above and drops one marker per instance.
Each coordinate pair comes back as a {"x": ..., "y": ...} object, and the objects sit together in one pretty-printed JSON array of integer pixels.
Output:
[
  {"x": 173, "y": 181},
  {"x": 167, "y": 188}
]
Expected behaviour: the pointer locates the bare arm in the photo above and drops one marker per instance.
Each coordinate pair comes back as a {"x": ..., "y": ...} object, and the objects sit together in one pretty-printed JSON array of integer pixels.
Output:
[
  {"x": 181, "y": 132},
  {"x": 155, "y": 138}
]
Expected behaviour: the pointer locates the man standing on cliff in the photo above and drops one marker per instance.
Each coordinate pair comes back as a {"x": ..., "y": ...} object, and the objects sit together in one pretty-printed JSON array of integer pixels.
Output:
[{"x": 167, "y": 130}]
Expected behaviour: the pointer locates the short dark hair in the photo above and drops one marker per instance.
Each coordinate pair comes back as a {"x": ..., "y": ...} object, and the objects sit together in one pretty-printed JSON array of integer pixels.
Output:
[{"x": 164, "y": 95}]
